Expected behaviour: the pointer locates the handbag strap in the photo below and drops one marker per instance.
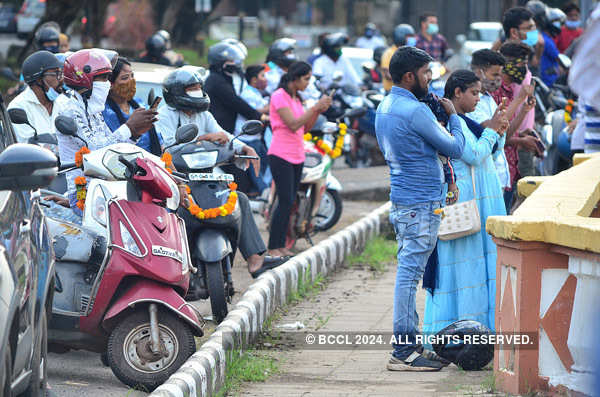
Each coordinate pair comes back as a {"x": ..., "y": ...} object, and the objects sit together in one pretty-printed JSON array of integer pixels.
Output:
[{"x": 473, "y": 180}]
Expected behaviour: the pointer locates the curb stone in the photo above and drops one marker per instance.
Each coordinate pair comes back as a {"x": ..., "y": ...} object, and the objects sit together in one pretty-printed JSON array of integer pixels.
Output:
[{"x": 203, "y": 374}]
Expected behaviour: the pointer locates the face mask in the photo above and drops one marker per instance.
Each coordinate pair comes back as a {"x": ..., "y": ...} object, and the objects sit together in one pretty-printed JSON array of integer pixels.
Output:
[
  {"x": 195, "y": 93},
  {"x": 487, "y": 84},
  {"x": 231, "y": 69},
  {"x": 261, "y": 84},
  {"x": 411, "y": 41},
  {"x": 125, "y": 90},
  {"x": 517, "y": 73},
  {"x": 432, "y": 28},
  {"x": 369, "y": 33},
  {"x": 418, "y": 91},
  {"x": 338, "y": 52},
  {"x": 532, "y": 38},
  {"x": 53, "y": 49},
  {"x": 572, "y": 24},
  {"x": 557, "y": 24},
  {"x": 51, "y": 93},
  {"x": 97, "y": 100}
]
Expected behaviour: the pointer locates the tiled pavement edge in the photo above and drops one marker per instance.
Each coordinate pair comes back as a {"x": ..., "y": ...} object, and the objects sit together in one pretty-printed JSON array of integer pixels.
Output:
[{"x": 203, "y": 373}]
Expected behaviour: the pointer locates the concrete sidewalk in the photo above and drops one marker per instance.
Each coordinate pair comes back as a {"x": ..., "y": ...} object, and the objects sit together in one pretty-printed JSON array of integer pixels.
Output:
[
  {"x": 372, "y": 183},
  {"x": 355, "y": 301}
]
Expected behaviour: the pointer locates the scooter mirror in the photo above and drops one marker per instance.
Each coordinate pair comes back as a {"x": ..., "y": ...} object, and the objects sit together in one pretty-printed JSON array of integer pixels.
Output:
[
  {"x": 66, "y": 126},
  {"x": 252, "y": 127},
  {"x": 18, "y": 116},
  {"x": 564, "y": 61},
  {"x": 186, "y": 133}
]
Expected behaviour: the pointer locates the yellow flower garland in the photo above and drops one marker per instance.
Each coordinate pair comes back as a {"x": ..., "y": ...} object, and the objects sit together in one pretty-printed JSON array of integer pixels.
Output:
[
  {"x": 569, "y": 110},
  {"x": 324, "y": 146},
  {"x": 224, "y": 210}
]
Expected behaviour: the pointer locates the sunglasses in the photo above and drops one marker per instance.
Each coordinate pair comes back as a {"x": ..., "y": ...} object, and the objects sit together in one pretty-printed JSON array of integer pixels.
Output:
[{"x": 58, "y": 74}]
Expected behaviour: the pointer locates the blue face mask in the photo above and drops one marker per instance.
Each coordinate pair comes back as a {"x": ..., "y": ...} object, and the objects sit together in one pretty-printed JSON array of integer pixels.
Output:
[
  {"x": 532, "y": 38},
  {"x": 432, "y": 28},
  {"x": 51, "y": 94},
  {"x": 369, "y": 33},
  {"x": 411, "y": 41},
  {"x": 557, "y": 24},
  {"x": 572, "y": 24}
]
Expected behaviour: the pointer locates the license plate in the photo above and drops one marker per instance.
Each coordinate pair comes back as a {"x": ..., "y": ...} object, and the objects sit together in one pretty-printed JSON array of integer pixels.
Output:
[{"x": 208, "y": 177}]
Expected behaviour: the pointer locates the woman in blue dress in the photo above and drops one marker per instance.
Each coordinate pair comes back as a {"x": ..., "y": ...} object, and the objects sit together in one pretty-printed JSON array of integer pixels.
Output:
[{"x": 465, "y": 277}]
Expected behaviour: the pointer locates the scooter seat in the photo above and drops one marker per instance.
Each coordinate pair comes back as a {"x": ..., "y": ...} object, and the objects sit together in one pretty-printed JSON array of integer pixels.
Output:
[{"x": 73, "y": 243}]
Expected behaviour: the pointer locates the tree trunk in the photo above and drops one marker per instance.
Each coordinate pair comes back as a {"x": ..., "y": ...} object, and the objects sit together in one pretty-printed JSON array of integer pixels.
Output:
[
  {"x": 169, "y": 18},
  {"x": 96, "y": 17}
]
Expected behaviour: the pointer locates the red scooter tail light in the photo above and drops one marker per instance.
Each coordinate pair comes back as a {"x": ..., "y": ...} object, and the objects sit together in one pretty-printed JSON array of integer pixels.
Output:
[{"x": 152, "y": 180}]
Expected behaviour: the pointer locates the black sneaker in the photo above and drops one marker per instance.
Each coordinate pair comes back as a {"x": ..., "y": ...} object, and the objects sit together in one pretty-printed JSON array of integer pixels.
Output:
[
  {"x": 433, "y": 356},
  {"x": 415, "y": 363}
]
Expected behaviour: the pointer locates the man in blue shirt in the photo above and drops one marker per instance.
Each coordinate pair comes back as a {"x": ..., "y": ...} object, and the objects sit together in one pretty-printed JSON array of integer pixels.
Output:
[{"x": 411, "y": 139}]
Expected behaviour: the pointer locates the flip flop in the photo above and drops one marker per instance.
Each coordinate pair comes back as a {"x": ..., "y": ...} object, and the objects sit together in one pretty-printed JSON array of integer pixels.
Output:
[{"x": 269, "y": 263}]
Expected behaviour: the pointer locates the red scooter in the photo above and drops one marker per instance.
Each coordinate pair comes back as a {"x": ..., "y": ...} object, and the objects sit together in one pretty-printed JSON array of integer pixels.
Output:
[{"x": 121, "y": 276}]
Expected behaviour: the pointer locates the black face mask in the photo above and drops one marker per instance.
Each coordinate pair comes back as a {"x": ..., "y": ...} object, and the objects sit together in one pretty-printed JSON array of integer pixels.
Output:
[
  {"x": 53, "y": 49},
  {"x": 417, "y": 90},
  {"x": 231, "y": 69}
]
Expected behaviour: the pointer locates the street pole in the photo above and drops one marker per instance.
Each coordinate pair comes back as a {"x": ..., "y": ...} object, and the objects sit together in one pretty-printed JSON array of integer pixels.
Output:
[{"x": 350, "y": 17}]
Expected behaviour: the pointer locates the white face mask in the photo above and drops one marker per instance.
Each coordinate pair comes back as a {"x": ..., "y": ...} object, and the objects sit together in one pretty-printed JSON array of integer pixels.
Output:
[
  {"x": 196, "y": 93},
  {"x": 97, "y": 100}
]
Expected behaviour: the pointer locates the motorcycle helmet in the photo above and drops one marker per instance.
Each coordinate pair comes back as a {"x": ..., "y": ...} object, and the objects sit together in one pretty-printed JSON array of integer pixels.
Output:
[
  {"x": 556, "y": 18},
  {"x": 222, "y": 52},
  {"x": 370, "y": 30},
  {"x": 332, "y": 44},
  {"x": 277, "y": 52},
  {"x": 564, "y": 145},
  {"x": 401, "y": 32},
  {"x": 37, "y": 63},
  {"x": 468, "y": 356},
  {"x": 377, "y": 54},
  {"x": 241, "y": 46},
  {"x": 538, "y": 9},
  {"x": 156, "y": 45},
  {"x": 82, "y": 66},
  {"x": 175, "y": 84},
  {"x": 166, "y": 37},
  {"x": 47, "y": 34}
]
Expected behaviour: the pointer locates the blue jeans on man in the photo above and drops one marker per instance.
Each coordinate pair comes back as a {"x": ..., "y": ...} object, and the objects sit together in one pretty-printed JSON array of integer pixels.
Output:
[{"x": 416, "y": 227}]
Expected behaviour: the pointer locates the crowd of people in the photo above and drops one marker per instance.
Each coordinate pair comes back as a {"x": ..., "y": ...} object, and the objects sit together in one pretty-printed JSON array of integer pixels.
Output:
[{"x": 483, "y": 131}]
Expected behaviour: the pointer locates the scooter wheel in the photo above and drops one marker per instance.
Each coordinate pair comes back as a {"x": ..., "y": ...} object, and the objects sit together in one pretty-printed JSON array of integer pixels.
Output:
[
  {"x": 330, "y": 210},
  {"x": 130, "y": 356},
  {"x": 216, "y": 290}
]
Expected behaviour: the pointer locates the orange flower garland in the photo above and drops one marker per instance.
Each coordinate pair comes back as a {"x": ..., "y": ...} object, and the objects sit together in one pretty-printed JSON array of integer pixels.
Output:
[
  {"x": 80, "y": 184},
  {"x": 569, "y": 110},
  {"x": 324, "y": 146},
  {"x": 224, "y": 210},
  {"x": 168, "y": 160},
  {"x": 79, "y": 155}
]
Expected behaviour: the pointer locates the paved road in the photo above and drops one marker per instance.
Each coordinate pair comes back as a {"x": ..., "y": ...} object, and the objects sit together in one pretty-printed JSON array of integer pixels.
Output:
[{"x": 80, "y": 373}]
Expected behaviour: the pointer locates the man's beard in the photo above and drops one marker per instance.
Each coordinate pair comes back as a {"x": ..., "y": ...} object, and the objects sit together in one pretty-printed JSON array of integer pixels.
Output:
[{"x": 418, "y": 91}]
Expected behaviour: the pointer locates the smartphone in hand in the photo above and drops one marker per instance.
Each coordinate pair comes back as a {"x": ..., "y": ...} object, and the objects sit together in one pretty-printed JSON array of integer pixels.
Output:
[
  {"x": 155, "y": 104},
  {"x": 539, "y": 143}
]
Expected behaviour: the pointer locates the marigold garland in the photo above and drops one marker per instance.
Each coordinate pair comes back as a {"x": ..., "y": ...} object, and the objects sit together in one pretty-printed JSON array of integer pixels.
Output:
[
  {"x": 569, "y": 111},
  {"x": 324, "y": 147},
  {"x": 79, "y": 155},
  {"x": 224, "y": 210},
  {"x": 168, "y": 160},
  {"x": 81, "y": 186}
]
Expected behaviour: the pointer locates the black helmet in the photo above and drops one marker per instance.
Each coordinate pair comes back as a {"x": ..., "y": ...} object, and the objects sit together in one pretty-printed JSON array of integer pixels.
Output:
[
  {"x": 377, "y": 54},
  {"x": 46, "y": 34},
  {"x": 279, "y": 48},
  {"x": 235, "y": 42},
  {"x": 174, "y": 89},
  {"x": 333, "y": 41},
  {"x": 223, "y": 52},
  {"x": 156, "y": 45},
  {"x": 400, "y": 33},
  {"x": 538, "y": 9},
  {"x": 37, "y": 63},
  {"x": 468, "y": 356},
  {"x": 554, "y": 15}
]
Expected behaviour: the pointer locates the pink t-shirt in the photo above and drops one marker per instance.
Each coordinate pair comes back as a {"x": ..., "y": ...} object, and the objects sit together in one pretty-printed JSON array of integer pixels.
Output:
[
  {"x": 529, "y": 120},
  {"x": 286, "y": 144}
]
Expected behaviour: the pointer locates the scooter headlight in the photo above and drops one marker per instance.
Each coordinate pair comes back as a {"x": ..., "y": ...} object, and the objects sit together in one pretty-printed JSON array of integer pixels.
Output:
[
  {"x": 99, "y": 206},
  {"x": 200, "y": 160},
  {"x": 129, "y": 243}
]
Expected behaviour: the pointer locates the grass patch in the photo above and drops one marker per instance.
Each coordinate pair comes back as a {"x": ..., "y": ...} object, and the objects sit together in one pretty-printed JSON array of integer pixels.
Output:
[
  {"x": 377, "y": 254},
  {"x": 489, "y": 383},
  {"x": 248, "y": 366},
  {"x": 306, "y": 287}
]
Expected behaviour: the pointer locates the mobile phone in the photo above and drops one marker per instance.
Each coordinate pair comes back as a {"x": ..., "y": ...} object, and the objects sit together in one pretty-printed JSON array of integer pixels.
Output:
[
  {"x": 539, "y": 143},
  {"x": 331, "y": 92},
  {"x": 155, "y": 103}
]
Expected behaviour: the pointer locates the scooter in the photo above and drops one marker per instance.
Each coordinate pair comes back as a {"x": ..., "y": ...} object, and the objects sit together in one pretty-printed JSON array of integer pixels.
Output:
[
  {"x": 122, "y": 274},
  {"x": 317, "y": 207},
  {"x": 213, "y": 239}
]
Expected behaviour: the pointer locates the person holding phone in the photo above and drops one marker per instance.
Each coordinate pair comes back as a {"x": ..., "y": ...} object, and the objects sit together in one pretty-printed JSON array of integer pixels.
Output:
[
  {"x": 289, "y": 122},
  {"x": 121, "y": 103}
]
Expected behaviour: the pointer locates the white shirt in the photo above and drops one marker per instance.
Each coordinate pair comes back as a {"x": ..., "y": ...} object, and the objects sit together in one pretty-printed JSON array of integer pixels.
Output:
[
  {"x": 325, "y": 67},
  {"x": 36, "y": 114},
  {"x": 169, "y": 119},
  {"x": 486, "y": 107},
  {"x": 256, "y": 101},
  {"x": 370, "y": 43},
  {"x": 578, "y": 137},
  {"x": 90, "y": 127}
]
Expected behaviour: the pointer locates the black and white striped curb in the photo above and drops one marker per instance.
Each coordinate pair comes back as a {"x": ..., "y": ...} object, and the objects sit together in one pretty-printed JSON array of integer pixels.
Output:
[{"x": 203, "y": 374}]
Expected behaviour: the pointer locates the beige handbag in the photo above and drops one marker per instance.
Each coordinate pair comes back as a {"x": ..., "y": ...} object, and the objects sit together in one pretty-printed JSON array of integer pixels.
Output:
[{"x": 460, "y": 219}]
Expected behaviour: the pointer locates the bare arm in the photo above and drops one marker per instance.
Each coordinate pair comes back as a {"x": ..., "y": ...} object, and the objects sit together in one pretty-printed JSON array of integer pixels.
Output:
[{"x": 295, "y": 123}]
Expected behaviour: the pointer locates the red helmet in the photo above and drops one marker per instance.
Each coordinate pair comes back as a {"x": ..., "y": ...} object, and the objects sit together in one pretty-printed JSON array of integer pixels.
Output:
[{"x": 82, "y": 66}]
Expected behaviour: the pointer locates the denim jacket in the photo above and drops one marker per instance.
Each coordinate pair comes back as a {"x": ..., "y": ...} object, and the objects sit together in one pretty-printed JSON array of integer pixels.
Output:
[{"x": 411, "y": 138}]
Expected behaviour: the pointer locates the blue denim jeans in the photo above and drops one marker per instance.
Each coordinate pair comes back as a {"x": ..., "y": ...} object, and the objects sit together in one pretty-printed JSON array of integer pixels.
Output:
[{"x": 416, "y": 228}]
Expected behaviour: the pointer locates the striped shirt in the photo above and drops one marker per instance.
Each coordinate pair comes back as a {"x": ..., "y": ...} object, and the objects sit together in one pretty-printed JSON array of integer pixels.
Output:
[{"x": 591, "y": 118}]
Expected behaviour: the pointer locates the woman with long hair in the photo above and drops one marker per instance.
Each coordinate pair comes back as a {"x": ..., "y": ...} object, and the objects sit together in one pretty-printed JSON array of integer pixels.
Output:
[{"x": 289, "y": 122}]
